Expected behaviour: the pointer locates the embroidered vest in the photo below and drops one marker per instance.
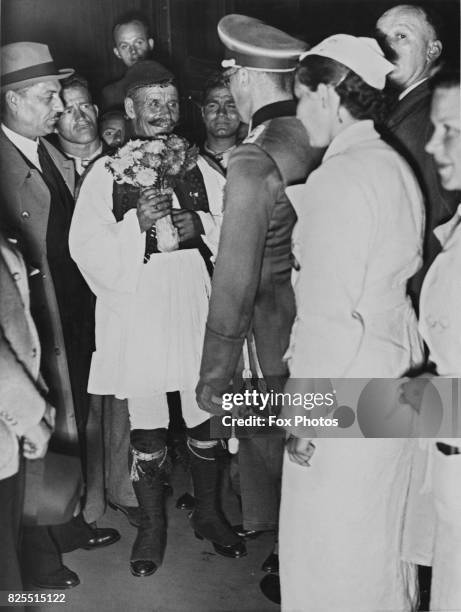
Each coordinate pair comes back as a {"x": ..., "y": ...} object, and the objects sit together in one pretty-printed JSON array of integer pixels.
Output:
[{"x": 191, "y": 194}]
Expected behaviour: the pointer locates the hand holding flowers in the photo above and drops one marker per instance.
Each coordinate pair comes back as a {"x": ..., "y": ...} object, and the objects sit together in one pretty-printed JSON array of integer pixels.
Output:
[
  {"x": 154, "y": 166},
  {"x": 152, "y": 206}
]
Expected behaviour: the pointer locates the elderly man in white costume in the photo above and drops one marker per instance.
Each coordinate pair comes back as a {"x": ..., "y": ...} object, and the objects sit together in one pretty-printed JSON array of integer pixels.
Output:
[
  {"x": 150, "y": 317},
  {"x": 358, "y": 240}
]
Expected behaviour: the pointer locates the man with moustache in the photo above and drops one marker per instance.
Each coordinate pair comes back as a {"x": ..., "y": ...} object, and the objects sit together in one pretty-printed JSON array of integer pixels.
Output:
[
  {"x": 36, "y": 196},
  {"x": 411, "y": 38},
  {"x": 107, "y": 427},
  {"x": 150, "y": 313},
  {"x": 77, "y": 128},
  {"x": 221, "y": 120}
]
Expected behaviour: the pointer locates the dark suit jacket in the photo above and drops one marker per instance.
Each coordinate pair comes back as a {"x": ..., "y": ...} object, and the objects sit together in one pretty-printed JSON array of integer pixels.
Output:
[
  {"x": 252, "y": 279},
  {"x": 410, "y": 129},
  {"x": 24, "y": 209}
]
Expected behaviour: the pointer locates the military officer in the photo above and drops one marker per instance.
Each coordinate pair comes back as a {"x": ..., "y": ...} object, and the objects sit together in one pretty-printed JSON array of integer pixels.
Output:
[{"x": 252, "y": 303}]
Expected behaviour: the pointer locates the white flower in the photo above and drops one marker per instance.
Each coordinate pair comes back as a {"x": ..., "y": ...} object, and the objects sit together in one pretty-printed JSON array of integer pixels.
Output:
[
  {"x": 122, "y": 164},
  {"x": 154, "y": 146},
  {"x": 138, "y": 154},
  {"x": 146, "y": 177}
]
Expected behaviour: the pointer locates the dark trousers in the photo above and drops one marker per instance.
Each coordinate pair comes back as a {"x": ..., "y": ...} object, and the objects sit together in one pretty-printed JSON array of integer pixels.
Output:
[
  {"x": 260, "y": 461},
  {"x": 107, "y": 442},
  {"x": 11, "y": 496},
  {"x": 42, "y": 546}
]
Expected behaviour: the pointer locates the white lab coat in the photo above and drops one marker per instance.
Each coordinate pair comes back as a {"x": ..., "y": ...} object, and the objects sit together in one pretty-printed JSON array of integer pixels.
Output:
[
  {"x": 440, "y": 325},
  {"x": 358, "y": 240}
]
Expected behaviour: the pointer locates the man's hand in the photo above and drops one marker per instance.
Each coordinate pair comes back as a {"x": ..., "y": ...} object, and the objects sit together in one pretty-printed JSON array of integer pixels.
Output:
[
  {"x": 300, "y": 450},
  {"x": 152, "y": 206},
  {"x": 188, "y": 224},
  {"x": 411, "y": 392},
  {"x": 208, "y": 400},
  {"x": 35, "y": 442}
]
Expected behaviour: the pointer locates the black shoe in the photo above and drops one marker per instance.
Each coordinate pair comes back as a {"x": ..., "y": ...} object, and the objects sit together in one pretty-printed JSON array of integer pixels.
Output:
[
  {"x": 233, "y": 551},
  {"x": 185, "y": 502},
  {"x": 270, "y": 587},
  {"x": 246, "y": 534},
  {"x": 132, "y": 513},
  {"x": 64, "y": 578},
  {"x": 102, "y": 537},
  {"x": 143, "y": 567},
  {"x": 271, "y": 564}
]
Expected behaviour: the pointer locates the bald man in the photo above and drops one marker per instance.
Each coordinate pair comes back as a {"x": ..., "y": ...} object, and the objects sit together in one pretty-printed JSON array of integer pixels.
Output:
[{"x": 411, "y": 38}]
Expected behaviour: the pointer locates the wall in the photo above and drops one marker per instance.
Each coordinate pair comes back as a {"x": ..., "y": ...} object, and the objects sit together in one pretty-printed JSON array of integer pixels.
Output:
[{"x": 79, "y": 31}]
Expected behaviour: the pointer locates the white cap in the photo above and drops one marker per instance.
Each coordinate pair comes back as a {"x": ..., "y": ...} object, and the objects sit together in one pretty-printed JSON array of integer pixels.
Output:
[{"x": 362, "y": 55}]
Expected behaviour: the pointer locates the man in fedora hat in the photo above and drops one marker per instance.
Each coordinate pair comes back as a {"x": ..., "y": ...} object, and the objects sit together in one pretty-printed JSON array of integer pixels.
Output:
[
  {"x": 36, "y": 196},
  {"x": 252, "y": 300}
]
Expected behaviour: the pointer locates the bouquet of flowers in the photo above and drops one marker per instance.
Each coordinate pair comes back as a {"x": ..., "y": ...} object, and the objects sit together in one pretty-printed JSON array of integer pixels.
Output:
[{"x": 155, "y": 163}]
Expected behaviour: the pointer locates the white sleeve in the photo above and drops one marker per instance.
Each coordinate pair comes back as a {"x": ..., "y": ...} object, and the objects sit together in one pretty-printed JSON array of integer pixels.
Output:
[
  {"x": 212, "y": 221},
  {"x": 109, "y": 253}
]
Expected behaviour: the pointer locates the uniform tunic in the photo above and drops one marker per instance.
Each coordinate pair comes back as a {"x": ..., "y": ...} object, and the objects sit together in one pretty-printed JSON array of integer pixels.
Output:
[
  {"x": 252, "y": 290},
  {"x": 251, "y": 283},
  {"x": 358, "y": 240}
]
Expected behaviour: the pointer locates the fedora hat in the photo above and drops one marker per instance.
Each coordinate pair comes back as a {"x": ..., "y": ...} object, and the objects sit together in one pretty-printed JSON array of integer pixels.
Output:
[{"x": 27, "y": 63}]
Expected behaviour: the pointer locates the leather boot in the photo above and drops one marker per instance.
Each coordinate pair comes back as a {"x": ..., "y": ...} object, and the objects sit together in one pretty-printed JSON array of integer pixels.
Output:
[
  {"x": 207, "y": 519},
  {"x": 148, "y": 476}
]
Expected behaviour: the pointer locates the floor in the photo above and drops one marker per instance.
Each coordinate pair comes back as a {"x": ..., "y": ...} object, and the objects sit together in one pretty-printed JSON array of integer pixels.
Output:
[{"x": 193, "y": 577}]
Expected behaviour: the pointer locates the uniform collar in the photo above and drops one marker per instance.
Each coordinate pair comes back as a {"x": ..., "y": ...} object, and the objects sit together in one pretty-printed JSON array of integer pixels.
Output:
[
  {"x": 284, "y": 108},
  {"x": 361, "y": 131}
]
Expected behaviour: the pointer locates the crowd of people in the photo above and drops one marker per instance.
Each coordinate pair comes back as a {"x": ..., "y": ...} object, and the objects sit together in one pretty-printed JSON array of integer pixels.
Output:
[{"x": 138, "y": 290}]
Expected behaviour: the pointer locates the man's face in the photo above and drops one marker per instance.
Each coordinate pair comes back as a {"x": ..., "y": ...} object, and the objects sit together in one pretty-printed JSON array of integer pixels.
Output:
[
  {"x": 237, "y": 80},
  {"x": 131, "y": 43},
  {"x": 220, "y": 114},
  {"x": 38, "y": 108},
  {"x": 113, "y": 131},
  {"x": 412, "y": 44},
  {"x": 78, "y": 122},
  {"x": 445, "y": 144},
  {"x": 154, "y": 110}
]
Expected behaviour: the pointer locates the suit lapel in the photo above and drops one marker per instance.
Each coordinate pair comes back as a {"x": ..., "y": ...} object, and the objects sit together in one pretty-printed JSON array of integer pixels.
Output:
[
  {"x": 24, "y": 196},
  {"x": 65, "y": 166},
  {"x": 406, "y": 106}
]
